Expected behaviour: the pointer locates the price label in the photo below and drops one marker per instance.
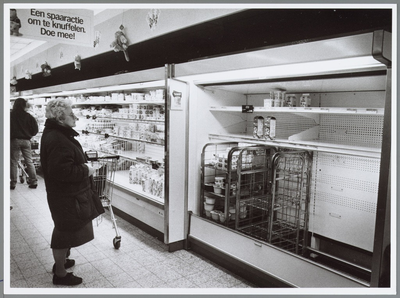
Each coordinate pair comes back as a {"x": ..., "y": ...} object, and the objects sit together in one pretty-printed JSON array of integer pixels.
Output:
[{"x": 247, "y": 108}]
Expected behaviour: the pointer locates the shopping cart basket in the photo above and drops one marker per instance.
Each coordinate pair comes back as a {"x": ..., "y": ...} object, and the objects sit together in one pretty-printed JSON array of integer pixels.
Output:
[{"x": 105, "y": 167}]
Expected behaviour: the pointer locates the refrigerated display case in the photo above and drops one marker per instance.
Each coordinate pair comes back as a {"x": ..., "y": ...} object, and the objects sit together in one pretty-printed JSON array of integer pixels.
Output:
[
  {"x": 131, "y": 124},
  {"x": 346, "y": 127},
  {"x": 141, "y": 117}
]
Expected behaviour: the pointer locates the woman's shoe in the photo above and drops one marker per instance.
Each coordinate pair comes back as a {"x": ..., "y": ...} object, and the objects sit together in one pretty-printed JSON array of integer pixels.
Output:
[
  {"x": 68, "y": 280},
  {"x": 33, "y": 186},
  {"x": 68, "y": 264}
]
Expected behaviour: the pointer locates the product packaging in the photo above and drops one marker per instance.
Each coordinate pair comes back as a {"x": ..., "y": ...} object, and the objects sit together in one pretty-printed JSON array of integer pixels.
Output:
[
  {"x": 290, "y": 100},
  {"x": 258, "y": 127},
  {"x": 305, "y": 100},
  {"x": 268, "y": 102},
  {"x": 270, "y": 128}
]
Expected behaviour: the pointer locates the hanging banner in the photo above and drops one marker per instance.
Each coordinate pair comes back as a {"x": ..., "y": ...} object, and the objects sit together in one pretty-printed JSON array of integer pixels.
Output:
[{"x": 63, "y": 26}]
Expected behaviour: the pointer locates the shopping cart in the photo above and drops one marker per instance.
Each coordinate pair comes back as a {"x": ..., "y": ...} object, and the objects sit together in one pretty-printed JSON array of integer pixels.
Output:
[{"x": 105, "y": 167}]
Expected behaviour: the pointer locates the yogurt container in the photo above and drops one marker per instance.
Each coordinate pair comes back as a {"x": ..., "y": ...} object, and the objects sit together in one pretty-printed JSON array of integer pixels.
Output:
[{"x": 305, "y": 100}]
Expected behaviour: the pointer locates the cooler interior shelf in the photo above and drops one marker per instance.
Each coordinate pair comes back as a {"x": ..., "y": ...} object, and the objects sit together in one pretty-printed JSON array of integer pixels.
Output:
[
  {"x": 306, "y": 110},
  {"x": 131, "y": 119},
  {"x": 160, "y": 143},
  {"x": 121, "y": 180},
  {"x": 118, "y": 102},
  {"x": 136, "y": 87},
  {"x": 320, "y": 146}
]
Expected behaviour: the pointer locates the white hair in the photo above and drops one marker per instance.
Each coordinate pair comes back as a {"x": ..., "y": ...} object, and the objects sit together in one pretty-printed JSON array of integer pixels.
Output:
[{"x": 55, "y": 108}]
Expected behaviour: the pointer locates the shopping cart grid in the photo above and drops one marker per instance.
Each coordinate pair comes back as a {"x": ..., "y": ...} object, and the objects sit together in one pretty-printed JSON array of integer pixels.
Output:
[{"x": 103, "y": 177}]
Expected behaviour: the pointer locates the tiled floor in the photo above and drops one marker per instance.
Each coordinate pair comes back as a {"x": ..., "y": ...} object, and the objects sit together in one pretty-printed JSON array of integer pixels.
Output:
[{"x": 141, "y": 262}]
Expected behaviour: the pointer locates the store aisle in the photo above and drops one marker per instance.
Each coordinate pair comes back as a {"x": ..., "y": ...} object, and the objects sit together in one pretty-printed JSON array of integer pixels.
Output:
[{"x": 141, "y": 262}]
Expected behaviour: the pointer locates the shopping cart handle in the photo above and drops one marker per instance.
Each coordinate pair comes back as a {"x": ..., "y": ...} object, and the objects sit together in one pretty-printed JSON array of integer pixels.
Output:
[
  {"x": 108, "y": 157},
  {"x": 93, "y": 156}
]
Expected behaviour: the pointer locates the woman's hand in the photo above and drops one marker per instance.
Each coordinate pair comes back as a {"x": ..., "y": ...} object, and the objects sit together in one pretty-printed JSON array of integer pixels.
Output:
[{"x": 91, "y": 169}]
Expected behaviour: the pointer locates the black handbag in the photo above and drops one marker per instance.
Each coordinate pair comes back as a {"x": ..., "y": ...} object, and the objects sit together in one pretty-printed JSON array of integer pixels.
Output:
[{"x": 98, "y": 205}]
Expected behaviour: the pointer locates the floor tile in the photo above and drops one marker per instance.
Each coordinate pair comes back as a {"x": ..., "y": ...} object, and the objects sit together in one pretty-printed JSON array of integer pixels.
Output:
[
  {"x": 199, "y": 278},
  {"x": 167, "y": 275},
  {"x": 98, "y": 283},
  {"x": 18, "y": 283},
  {"x": 120, "y": 279},
  {"x": 40, "y": 280},
  {"x": 151, "y": 281},
  {"x": 131, "y": 284}
]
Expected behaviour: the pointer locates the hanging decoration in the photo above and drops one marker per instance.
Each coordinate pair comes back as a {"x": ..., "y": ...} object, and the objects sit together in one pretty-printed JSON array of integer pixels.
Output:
[
  {"x": 97, "y": 35},
  {"x": 77, "y": 62},
  {"x": 14, "y": 81},
  {"x": 15, "y": 23},
  {"x": 46, "y": 69},
  {"x": 152, "y": 18},
  {"x": 28, "y": 75},
  {"x": 120, "y": 43},
  {"x": 61, "y": 54}
]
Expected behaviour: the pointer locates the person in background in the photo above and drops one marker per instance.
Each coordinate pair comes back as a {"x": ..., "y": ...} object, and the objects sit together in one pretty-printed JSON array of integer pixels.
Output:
[
  {"x": 23, "y": 126},
  {"x": 69, "y": 185}
]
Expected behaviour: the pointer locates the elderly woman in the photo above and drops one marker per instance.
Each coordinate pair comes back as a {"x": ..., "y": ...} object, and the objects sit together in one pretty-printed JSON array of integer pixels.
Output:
[{"x": 69, "y": 186}]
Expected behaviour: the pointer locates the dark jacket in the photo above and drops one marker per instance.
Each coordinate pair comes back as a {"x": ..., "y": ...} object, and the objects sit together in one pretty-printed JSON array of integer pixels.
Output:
[
  {"x": 22, "y": 126},
  {"x": 70, "y": 192}
]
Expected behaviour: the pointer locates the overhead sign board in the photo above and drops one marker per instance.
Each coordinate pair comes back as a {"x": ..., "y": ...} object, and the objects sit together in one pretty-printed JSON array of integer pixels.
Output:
[{"x": 64, "y": 26}]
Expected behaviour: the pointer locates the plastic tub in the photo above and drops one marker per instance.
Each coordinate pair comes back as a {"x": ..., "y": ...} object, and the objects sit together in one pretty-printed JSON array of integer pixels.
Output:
[
  {"x": 215, "y": 215},
  {"x": 222, "y": 217},
  {"x": 208, "y": 207},
  {"x": 210, "y": 201},
  {"x": 217, "y": 189}
]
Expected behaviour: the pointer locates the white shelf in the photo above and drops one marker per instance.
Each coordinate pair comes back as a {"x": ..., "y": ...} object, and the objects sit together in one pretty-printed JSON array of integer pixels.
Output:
[
  {"x": 307, "y": 110},
  {"x": 128, "y": 139},
  {"x": 134, "y": 155},
  {"x": 136, "y": 120},
  {"x": 127, "y": 155},
  {"x": 114, "y": 88},
  {"x": 301, "y": 144},
  {"x": 117, "y": 102}
]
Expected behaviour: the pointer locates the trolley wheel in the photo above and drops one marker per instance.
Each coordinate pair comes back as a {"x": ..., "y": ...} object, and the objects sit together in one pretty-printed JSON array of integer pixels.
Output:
[
  {"x": 21, "y": 179},
  {"x": 117, "y": 242}
]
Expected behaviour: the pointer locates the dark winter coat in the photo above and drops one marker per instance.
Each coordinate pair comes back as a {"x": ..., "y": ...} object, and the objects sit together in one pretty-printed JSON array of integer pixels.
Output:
[
  {"x": 22, "y": 126},
  {"x": 70, "y": 191}
]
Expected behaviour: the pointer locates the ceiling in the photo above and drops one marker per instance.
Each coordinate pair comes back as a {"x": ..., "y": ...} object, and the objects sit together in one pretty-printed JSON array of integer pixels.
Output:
[{"x": 20, "y": 46}]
